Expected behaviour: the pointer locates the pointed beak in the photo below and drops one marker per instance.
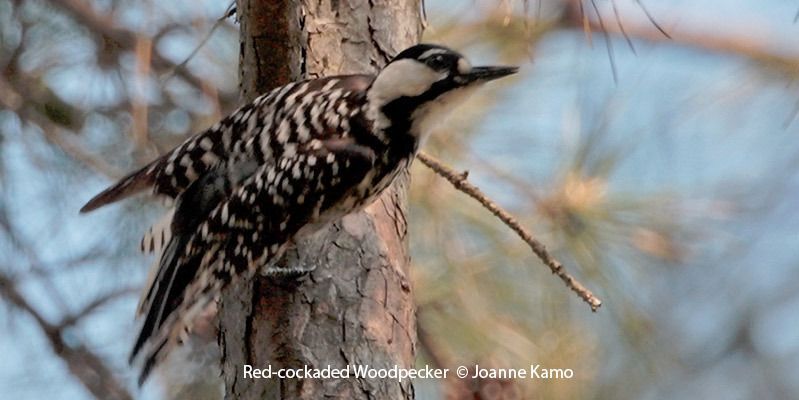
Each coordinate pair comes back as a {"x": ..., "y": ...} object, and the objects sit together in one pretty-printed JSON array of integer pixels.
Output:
[{"x": 485, "y": 74}]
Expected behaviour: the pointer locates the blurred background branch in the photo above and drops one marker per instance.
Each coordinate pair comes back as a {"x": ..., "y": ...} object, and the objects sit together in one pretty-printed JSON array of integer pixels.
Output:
[{"x": 89, "y": 369}]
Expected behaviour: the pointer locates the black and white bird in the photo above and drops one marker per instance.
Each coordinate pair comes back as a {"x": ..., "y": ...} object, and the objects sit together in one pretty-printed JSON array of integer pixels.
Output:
[{"x": 295, "y": 159}]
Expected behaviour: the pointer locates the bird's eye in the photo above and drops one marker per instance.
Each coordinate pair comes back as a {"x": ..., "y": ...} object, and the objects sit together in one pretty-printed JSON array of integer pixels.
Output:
[{"x": 438, "y": 62}]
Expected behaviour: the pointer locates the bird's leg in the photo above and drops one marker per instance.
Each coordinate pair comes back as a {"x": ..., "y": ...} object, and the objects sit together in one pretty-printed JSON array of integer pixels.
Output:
[{"x": 291, "y": 265}]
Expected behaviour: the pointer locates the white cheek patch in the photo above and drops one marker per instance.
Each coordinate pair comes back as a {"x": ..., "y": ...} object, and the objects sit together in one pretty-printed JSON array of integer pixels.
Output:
[{"x": 404, "y": 78}]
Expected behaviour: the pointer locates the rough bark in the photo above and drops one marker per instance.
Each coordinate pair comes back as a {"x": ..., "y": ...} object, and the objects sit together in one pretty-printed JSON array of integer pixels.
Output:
[{"x": 356, "y": 307}]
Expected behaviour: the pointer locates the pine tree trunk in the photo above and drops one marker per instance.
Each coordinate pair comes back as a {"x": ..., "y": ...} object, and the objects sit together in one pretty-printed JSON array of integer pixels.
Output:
[{"x": 356, "y": 307}]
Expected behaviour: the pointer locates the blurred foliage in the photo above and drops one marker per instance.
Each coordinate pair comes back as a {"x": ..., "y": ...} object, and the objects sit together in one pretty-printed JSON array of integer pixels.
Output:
[{"x": 484, "y": 299}]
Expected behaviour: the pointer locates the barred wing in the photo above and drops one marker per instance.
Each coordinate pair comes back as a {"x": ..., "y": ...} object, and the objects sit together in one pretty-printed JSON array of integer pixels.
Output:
[
  {"x": 291, "y": 114},
  {"x": 245, "y": 232}
]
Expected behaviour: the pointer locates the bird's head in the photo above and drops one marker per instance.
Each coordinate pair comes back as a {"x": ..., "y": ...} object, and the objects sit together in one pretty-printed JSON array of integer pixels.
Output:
[{"x": 422, "y": 84}]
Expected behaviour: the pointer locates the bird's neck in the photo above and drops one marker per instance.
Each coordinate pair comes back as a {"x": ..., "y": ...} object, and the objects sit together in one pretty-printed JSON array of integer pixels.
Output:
[{"x": 395, "y": 123}]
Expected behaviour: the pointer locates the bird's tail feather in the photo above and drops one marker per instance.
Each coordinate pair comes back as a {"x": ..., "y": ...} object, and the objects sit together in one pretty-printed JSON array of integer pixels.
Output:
[{"x": 127, "y": 186}]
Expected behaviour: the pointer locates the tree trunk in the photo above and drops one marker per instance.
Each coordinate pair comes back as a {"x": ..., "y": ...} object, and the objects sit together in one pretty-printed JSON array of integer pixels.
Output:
[{"x": 356, "y": 307}]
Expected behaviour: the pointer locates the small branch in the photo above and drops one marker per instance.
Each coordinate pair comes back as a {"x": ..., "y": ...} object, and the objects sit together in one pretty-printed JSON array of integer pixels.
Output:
[
  {"x": 732, "y": 42},
  {"x": 608, "y": 42},
  {"x": 652, "y": 19},
  {"x": 87, "y": 367},
  {"x": 621, "y": 26},
  {"x": 139, "y": 104},
  {"x": 54, "y": 134},
  {"x": 17, "y": 98},
  {"x": 72, "y": 319},
  {"x": 103, "y": 25},
  {"x": 231, "y": 11},
  {"x": 459, "y": 181}
]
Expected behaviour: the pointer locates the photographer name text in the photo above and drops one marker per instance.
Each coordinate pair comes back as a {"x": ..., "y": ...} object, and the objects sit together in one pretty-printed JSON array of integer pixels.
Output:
[{"x": 400, "y": 374}]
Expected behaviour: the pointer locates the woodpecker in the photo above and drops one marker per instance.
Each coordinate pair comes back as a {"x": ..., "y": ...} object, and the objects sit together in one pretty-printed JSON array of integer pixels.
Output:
[{"x": 284, "y": 166}]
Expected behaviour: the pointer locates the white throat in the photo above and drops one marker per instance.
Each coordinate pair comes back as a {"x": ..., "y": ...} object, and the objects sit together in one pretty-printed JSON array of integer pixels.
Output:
[{"x": 431, "y": 114}]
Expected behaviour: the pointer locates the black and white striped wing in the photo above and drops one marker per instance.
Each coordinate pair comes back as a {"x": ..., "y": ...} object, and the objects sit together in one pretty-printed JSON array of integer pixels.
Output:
[
  {"x": 244, "y": 233},
  {"x": 172, "y": 173},
  {"x": 286, "y": 117}
]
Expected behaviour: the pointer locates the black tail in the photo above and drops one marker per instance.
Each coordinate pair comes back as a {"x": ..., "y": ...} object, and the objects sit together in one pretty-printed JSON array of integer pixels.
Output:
[
  {"x": 160, "y": 295},
  {"x": 176, "y": 273},
  {"x": 127, "y": 186}
]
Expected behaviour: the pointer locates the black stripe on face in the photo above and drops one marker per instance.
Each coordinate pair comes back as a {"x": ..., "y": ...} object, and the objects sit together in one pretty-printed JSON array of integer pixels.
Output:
[
  {"x": 399, "y": 111},
  {"x": 415, "y": 52},
  {"x": 437, "y": 58}
]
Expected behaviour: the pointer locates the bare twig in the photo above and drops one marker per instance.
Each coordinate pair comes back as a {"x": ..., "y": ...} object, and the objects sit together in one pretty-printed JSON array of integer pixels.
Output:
[
  {"x": 17, "y": 99},
  {"x": 538, "y": 11},
  {"x": 231, "y": 10},
  {"x": 423, "y": 13},
  {"x": 621, "y": 26},
  {"x": 652, "y": 19},
  {"x": 139, "y": 104},
  {"x": 83, "y": 13},
  {"x": 608, "y": 41},
  {"x": 56, "y": 135},
  {"x": 88, "y": 309},
  {"x": 586, "y": 24},
  {"x": 87, "y": 367},
  {"x": 736, "y": 43},
  {"x": 459, "y": 181}
]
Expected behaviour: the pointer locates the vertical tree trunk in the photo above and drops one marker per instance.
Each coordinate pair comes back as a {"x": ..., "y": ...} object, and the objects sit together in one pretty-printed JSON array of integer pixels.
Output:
[{"x": 356, "y": 308}]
